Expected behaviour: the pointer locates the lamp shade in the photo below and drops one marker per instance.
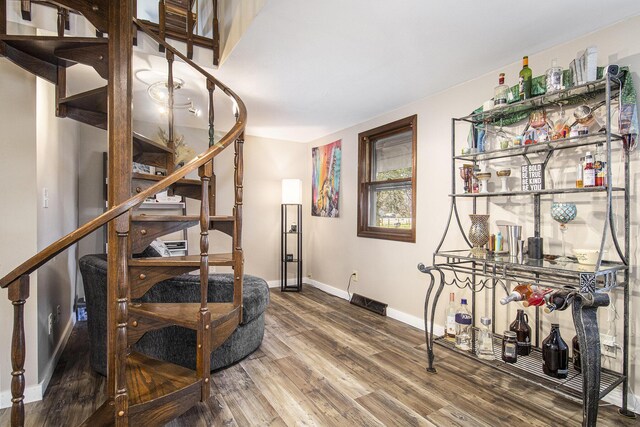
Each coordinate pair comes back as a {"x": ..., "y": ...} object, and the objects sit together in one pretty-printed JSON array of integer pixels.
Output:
[{"x": 291, "y": 192}]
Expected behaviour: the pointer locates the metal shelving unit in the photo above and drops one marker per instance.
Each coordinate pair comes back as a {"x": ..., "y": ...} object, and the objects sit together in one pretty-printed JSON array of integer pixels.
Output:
[
  {"x": 590, "y": 285},
  {"x": 296, "y": 260}
]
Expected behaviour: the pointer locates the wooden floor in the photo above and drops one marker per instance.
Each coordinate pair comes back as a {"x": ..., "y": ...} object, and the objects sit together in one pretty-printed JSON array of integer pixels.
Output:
[{"x": 327, "y": 363}]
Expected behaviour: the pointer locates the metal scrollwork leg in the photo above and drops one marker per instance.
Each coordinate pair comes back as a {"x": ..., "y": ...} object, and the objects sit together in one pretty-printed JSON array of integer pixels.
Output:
[
  {"x": 585, "y": 307},
  {"x": 428, "y": 326}
]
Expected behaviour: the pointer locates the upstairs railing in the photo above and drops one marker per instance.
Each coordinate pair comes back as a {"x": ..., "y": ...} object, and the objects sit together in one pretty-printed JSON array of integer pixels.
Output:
[{"x": 17, "y": 281}]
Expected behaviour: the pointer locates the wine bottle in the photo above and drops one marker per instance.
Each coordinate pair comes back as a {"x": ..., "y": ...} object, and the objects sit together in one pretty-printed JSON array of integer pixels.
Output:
[
  {"x": 537, "y": 298},
  {"x": 521, "y": 292},
  {"x": 524, "y": 79},
  {"x": 450, "y": 332},
  {"x": 500, "y": 92},
  {"x": 557, "y": 300}
]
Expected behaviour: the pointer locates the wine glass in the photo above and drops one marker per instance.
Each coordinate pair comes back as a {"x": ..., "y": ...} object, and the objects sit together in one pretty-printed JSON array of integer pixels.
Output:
[{"x": 563, "y": 213}]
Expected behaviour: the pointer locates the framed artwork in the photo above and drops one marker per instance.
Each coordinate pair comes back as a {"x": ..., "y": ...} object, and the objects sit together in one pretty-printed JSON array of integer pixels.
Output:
[{"x": 325, "y": 182}]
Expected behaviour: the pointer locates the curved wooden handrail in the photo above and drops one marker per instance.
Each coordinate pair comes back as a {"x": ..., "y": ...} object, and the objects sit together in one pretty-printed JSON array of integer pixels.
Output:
[{"x": 60, "y": 245}]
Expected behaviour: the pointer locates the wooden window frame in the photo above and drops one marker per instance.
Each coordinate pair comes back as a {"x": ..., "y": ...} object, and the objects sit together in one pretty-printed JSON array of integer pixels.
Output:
[{"x": 365, "y": 162}]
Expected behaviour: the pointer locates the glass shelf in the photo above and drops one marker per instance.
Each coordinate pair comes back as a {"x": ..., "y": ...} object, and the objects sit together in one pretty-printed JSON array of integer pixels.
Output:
[
  {"x": 529, "y": 368},
  {"x": 541, "y": 147},
  {"x": 541, "y": 192},
  {"x": 525, "y": 269},
  {"x": 561, "y": 97}
]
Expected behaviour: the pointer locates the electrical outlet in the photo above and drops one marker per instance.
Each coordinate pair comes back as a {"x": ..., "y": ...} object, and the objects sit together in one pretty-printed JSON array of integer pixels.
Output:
[
  {"x": 58, "y": 313},
  {"x": 309, "y": 276},
  {"x": 608, "y": 345},
  {"x": 355, "y": 275}
]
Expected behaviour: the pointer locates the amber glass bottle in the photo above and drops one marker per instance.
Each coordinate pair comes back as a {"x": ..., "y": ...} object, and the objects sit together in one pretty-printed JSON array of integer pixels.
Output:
[
  {"x": 523, "y": 333},
  {"x": 555, "y": 354}
]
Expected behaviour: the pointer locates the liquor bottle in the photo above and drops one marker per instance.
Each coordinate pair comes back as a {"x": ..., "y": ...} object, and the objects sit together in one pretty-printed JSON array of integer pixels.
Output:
[
  {"x": 580, "y": 173},
  {"x": 537, "y": 298},
  {"x": 500, "y": 92},
  {"x": 524, "y": 79},
  {"x": 600, "y": 167},
  {"x": 577, "y": 361},
  {"x": 450, "y": 332},
  {"x": 554, "y": 77},
  {"x": 485, "y": 340},
  {"x": 521, "y": 292},
  {"x": 463, "y": 326},
  {"x": 555, "y": 354},
  {"x": 499, "y": 242},
  {"x": 589, "y": 174},
  {"x": 523, "y": 333},
  {"x": 557, "y": 300}
]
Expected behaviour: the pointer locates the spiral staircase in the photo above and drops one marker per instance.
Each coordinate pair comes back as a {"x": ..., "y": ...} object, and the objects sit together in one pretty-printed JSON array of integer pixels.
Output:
[{"x": 141, "y": 390}]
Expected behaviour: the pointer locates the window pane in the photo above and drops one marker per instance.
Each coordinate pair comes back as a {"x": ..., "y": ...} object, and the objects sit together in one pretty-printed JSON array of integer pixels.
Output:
[
  {"x": 390, "y": 206},
  {"x": 392, "y": 156}
]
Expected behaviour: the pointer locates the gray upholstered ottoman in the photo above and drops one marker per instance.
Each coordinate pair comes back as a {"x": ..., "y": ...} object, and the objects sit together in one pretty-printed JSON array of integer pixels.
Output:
[{"x": 176, "y": 344}]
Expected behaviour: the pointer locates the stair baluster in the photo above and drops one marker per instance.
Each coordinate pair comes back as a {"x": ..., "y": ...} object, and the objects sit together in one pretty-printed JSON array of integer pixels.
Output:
[
  {"x": 203, "y": 360},
  {"x": 18, "y": 294},
  {"x": 171, "y": 160},
  {"x": 212, "y": 192},
  {"x": 237, "y": 211}
]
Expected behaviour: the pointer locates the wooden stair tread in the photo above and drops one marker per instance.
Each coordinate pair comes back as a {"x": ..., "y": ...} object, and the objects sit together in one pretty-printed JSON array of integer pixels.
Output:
[
  {"x": 184, "y": 314},
  {"x": 92, "y": 100},
  {"x": 149, "y": 177},
  {"x": 150, "y": 384},
  {"x": 179, "y": 218},
  {"x": 44, "y": 47},
  {"x": 225, "y": 259},
  {"x": 146, "y": 145}
]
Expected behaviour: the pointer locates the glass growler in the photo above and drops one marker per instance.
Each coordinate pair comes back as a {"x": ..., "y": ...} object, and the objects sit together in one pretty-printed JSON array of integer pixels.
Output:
[
  {"x": 523, "y": 333},
  {"x": 555, "y": 354}
]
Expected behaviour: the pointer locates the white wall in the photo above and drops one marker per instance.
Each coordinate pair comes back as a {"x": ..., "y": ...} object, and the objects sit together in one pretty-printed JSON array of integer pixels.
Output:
[
  {"x": 18, "y": 213},
  {"x": 57, "y": 164},
  {"x": 40, "y": 151},
  {"x": 388, "y": 269},
  {"x": 266, "y": 163}
]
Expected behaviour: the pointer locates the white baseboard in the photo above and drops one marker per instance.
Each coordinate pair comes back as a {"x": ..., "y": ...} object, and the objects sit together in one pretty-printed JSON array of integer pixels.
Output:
[
  {"x": 276, "y": 283},
  {"x": 615, "y": 397},
  {"x": 35, "y": 392},
  {"x": 401, "y": 316},
  {"x": 62, "y": 343}
]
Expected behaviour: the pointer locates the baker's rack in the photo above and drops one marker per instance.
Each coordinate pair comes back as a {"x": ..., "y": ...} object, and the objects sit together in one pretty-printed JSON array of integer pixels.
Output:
[{"x": 590, "y": 284}]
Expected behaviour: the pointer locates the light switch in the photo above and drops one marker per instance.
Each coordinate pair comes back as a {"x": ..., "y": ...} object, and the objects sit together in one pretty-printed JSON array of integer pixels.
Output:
[{"x": 45, "y": 197}]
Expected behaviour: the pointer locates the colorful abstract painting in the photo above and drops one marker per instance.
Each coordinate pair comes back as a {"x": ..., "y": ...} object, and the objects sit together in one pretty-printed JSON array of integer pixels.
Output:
[{"x": 325, "y": 187}]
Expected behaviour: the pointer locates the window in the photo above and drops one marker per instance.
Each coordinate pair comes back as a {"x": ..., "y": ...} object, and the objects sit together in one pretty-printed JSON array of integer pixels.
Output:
[{"x": 387, "y": 181}]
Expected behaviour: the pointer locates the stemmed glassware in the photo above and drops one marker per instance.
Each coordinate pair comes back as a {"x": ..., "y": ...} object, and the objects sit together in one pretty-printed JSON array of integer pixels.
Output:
[{"x": 563, "y": 213}]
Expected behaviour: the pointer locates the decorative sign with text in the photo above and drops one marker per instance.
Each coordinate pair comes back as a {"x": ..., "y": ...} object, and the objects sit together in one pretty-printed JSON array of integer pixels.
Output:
[{"x": 532, "y": 177}]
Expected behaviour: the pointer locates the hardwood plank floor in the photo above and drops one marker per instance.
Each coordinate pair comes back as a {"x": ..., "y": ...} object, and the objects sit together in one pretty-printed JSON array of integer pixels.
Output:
[{"x": 324, "y": 362}]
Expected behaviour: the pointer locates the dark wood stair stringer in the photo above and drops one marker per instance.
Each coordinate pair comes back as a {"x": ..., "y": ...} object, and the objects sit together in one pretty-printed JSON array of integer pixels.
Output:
[
  {"x": 146, "y": 228},
  {"x": 160, "y": 391}
]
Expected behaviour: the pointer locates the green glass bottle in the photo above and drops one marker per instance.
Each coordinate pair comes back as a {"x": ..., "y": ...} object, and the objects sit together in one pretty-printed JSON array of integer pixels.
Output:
[{"x": 525, "y": 79}]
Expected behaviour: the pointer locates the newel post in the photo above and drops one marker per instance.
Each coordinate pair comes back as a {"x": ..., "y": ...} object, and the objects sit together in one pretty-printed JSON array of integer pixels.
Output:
[{"x": 18, "y": 294}]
